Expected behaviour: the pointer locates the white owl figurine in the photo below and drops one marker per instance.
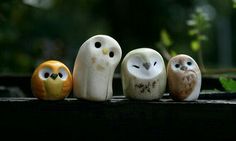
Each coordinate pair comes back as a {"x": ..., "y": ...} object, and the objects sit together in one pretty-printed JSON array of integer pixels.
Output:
[
  {"x": 184, "y": 78},
  {"x": 143, "y": 74},
  {"x": 94, "y": 68}
]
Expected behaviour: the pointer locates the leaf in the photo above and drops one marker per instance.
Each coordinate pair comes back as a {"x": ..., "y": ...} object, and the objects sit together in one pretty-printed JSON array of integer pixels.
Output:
[
  {"x": 173, "y": 53},
  {"x": 234, "y": 3},
  {"x": 193, "y": 32},
  {"x": 165, "y": 38},
  {"x": 202, "y": 37},
  {"x": 195, "y": 45},
  {"x": 191, "y": 23},
  {"x": 228, "y": 83}
]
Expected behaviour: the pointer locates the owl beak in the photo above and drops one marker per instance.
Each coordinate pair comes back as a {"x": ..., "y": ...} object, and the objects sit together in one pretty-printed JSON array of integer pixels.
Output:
[
  {"x": 54, "y": 76},
  {"x": 105, "y": 51},
  {"x": 183, "y": 68},
  {"x": 146, "y": 65}
]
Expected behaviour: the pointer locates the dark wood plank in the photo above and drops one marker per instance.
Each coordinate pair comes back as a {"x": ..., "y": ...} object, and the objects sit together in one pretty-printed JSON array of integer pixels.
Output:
[
  {"x": 119, "y": 118},
  {"x": 213, "y": 116}
]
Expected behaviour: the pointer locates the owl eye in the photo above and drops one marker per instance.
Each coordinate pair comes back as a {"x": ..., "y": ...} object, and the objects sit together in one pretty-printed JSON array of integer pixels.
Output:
[
  {"x": 45, "y": 73},
  {"x": 98, "y": 44},
  {"x": 60, "y": 75},
  {"x": 136, "y": 66},
  {"x": 154, "y": 63},
  {"x": 189, "y": 63},
  {"x": 177, "y": 65},
  {"x": 111, "y": 54},
  {"x": 63, "y": 74}
]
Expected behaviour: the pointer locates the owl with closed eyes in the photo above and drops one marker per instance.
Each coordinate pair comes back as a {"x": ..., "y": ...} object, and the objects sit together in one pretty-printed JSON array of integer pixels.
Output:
[
  {"x": 143, "y": 74},
  {"x": 184, "y": 78},
  {"x": 94, "y": 68}
]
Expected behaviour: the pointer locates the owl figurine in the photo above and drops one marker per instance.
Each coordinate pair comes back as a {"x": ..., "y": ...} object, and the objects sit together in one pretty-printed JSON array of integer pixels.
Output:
[
  {"x": 94, "y": 68},
  {"x": 51, "y": 80},
  {"x": 143, "y": 74},
  {"x": 184, "y": 78}
]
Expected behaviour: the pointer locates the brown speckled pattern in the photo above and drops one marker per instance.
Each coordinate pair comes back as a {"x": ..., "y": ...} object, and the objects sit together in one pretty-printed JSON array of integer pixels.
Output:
[
  {"x": 146, "y": 88},
  {"x": 183, "y": 86}
]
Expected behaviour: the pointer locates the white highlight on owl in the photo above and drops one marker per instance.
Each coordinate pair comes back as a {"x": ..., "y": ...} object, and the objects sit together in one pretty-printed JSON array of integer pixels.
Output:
[
  {"x": 184, "y": 78},
  {"x": 143, "y": 74},
  {"x": 94, "y": 68}
]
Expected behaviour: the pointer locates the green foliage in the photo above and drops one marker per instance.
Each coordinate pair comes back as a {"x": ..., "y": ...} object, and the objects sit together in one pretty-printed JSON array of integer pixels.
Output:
[
  {"x": 234, "y": 3},
  {"x": 228, "y": 83},
  {"x": 31, "y": 31},
  {"x": 173, "y": 53},
  {"x": 165, "y": 38},
  {"x": 165, "y": 45},
  {"x": 195, "y": 45},
  {"x": 199, "y": 23}
]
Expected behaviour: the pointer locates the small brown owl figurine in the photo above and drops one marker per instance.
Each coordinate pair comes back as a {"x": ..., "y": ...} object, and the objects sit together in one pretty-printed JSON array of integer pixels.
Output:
[
  {"x": 184, "y": 78},
  {"x": 51, "y": 80}
]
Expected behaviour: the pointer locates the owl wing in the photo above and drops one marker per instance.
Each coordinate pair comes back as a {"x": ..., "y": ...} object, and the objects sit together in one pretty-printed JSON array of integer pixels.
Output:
[
  {"x": 39, "y": 89},
  {"x": 67, "y": 86},
  {"x": 80, "y": 74},
  {"x": 189, "y": 82},
  {"x": 84, "y": 81},
  {"x": 183, "y": 86}
]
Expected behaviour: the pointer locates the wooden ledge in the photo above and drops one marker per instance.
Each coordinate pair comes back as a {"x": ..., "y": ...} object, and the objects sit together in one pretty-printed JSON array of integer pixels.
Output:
[
  {"x": 225, "y": 99},
  {"x": 119, "y": 118}
]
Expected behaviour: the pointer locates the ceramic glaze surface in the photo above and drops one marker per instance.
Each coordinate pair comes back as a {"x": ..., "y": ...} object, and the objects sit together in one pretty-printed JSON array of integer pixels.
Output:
[
  {"x": 51, "y": 80},
  {"x": 94, "y": 68},
  {"x": 184, "y": 78},
  {"x": 143, "y": 74}
]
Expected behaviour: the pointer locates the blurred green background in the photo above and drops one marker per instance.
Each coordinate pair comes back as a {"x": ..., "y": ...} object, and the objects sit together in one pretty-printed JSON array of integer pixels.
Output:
[{"x": 32, "y": 31}]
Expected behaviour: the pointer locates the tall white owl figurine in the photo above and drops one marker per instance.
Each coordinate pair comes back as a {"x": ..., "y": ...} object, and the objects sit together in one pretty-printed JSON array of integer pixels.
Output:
[
  {"x": 143, "y": 74},
  {"x": 184, "y": 78},
  {"x": 94, "y": 68}
]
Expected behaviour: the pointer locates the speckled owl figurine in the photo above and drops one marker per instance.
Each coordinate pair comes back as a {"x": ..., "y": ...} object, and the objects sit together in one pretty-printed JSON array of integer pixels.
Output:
[
  {"x": 143, "y": 74},
  {"x": 94, "y": 68},
  {"x": 51, "y": 80},
  {"x": 184, "y": 78}
]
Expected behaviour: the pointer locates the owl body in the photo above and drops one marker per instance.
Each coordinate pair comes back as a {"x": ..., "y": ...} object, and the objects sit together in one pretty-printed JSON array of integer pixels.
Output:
[
  {"x": 51, "y": 80},
  {"x": 184, "y": 78},
  {"x": 94, "y": 68},
  {"x": 143, "y": 74}
]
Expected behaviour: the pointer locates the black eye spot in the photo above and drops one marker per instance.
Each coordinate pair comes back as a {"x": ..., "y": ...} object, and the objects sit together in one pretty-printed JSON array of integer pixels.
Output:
[
  {"x": 46, "y": 75},
  {"x": 111, "y": 54},
  {"x": 155, "y": 63},
  {"x": 177, "y": 65},
  {"x": 189, "y": 63},
  {"x": 60, "y": 75},
  {"x": 98, "y": 44},
  {"x": 136, "y": 66}
]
